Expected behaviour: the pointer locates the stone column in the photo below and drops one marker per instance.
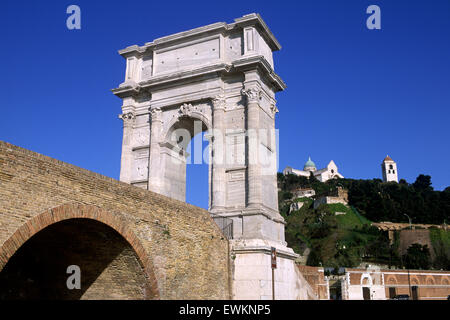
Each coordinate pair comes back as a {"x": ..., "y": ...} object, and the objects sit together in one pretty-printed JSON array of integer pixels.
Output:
[
  {"x": 253, "y": 167},
  {"x": 208, "y": 137},
  {"x": 155, "y": 169},
  {"x": 127, "y": 152},
  {"x": 218, "y": 154},
  {"x": 274, "y": 162}
]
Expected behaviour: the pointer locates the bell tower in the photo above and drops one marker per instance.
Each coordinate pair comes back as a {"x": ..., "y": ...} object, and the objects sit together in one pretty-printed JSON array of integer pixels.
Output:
[{"x": 389, "y": 170}]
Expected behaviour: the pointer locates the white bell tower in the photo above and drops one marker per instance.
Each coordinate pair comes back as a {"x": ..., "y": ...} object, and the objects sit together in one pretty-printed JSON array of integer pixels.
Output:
[{"x": 389, "y": 170}]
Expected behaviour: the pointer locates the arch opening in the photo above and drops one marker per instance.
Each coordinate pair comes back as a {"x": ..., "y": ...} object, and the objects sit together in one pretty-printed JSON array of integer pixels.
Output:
[
  {"x": 188, "y": 159},
  {"x": 109, "y": 266}
]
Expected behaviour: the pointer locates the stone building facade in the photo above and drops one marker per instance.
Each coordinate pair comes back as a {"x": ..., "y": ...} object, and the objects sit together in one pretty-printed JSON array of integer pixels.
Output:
[
  {"x": 382, "y": 284},
  {"x": 304, "y": 193},
  {"x": 374, "y": 283},
  {"x": 341, "y": 196}
]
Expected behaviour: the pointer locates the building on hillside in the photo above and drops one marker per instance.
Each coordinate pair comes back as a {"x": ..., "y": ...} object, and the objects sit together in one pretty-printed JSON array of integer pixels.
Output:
[
  {"x": 304, "y": 193},
  {"x": 341, "y": 196},
  {"x": 327, "y": 173},
  {"x": 389, "y": 170}
]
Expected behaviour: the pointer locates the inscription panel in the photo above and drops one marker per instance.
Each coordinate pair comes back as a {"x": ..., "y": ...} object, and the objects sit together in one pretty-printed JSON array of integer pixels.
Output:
[
  {"x": 140, "y": 165},
  {"x": 186, "y": 56},
  {"x": 236, "y": 187}
]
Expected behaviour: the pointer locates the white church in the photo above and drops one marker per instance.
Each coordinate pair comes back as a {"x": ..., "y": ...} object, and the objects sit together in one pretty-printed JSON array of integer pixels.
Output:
[
  {"x": 388, "y": 170},
  {"x": 327, "y": 173}
]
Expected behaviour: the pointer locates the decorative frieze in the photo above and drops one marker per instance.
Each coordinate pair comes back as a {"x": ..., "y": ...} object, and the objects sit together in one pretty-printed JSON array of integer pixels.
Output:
[{"x": 185, "y": 110}]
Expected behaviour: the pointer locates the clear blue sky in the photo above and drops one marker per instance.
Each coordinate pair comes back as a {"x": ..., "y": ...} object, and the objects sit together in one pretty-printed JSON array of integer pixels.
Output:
[{"x": 354, "y": 95}]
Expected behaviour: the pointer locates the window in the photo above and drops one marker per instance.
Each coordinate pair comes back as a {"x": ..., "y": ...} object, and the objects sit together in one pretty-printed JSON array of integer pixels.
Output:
[
  {"x": 393, "y": 171},
  {"x": 391, "y": 167}
]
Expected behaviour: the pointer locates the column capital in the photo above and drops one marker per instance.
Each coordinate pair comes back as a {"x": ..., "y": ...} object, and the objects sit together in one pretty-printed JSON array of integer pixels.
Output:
[
  {"x": 273, "y": 109},
  {"x": 156, "y": 114},
  {"x": 253, "y": 94},
  {"x": 128, "y": 118},
  {"x": 219, "y": 101}
]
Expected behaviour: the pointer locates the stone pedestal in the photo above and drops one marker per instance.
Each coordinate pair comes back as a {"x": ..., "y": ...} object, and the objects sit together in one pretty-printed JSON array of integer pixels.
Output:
[{"x": 252, "y": 272}]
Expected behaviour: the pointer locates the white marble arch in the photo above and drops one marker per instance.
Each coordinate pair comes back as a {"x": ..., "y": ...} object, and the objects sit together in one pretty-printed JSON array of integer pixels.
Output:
[{"x": 221, "y": 75}]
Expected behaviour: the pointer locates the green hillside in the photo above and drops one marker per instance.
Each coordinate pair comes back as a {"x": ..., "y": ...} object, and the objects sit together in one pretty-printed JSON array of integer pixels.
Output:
[
  {"x": 347, "y": 238},
  {"x": 334, "y": 240}
]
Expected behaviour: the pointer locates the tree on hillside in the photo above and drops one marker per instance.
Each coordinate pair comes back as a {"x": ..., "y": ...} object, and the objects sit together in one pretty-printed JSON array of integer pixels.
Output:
[
  {"x": 423, "y": 183},
  {"x": 441, "y": 261},
  {"x": 417, "y": 257}
]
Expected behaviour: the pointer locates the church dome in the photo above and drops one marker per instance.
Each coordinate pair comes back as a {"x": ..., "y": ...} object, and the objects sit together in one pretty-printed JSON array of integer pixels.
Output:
[{"x": 309, "y": 165}]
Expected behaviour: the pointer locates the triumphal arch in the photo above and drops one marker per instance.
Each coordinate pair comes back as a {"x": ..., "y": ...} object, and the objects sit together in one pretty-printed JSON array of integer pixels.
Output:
[{"x": 217, "y": 79}]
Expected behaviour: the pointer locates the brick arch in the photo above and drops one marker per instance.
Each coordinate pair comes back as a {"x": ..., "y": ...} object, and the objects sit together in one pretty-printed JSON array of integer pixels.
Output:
[
  {"x": 414, "y": 280},
  {"x": 80, "y": 211},
  {"x": 391, "y": 280},
  {"x": 430, "y": 280},
  {"x": 445, "y": 281}
]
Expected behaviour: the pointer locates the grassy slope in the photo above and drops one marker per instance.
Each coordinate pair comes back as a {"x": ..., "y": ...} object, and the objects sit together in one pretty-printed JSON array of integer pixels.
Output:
[
  {"x": 440, "y": 238},
  {"x": 350, "y": 220},
  {"x": 351, "y": 232},
  {"x": 348, "y": 232}
]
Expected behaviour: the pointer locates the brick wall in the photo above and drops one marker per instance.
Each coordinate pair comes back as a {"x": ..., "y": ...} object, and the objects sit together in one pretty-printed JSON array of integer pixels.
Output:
[
  {"x": 409, "y": 237},
  {"x": 316, "y": 279},
  {"x": 180, "y": 249}
]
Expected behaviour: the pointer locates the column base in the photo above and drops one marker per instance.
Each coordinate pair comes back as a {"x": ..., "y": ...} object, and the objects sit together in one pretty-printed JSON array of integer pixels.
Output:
[{"x": 252, "y": 272}]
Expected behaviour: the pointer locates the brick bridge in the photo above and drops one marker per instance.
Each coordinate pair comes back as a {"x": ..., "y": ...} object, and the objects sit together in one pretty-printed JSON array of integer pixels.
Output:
[{"x": 128, "y": 242}]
